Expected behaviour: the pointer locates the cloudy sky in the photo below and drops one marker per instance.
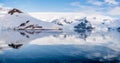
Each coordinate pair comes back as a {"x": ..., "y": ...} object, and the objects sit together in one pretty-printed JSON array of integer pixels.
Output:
[{"x": 107, "y": 7}]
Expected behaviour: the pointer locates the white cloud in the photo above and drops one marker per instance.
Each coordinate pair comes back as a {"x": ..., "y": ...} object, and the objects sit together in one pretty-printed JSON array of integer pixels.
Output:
[
  {"x": 112, "y": 2},
  {"x": 75, "y": 4},
  {"x": 99, "y": 3},
  {"x": 1, "y": 4},
  {"x": 86, "y": 8},
  {"x": 98, "y": 8},
  {"x": 3, "y": 8},
  {"x": 96, "y": 2},
  {"x": 115, "y": 11}
]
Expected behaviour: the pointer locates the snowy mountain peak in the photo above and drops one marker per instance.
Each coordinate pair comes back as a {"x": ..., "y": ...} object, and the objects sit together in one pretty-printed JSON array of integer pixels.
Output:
[
  {"x": 81, "y": 19},
  {"x": 62, "y": 21},
  {"x": 11, "y": 12}
]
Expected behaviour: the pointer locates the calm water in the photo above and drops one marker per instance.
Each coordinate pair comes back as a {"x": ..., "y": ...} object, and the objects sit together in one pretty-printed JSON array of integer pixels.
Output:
[{"x": 46, "y": 46}]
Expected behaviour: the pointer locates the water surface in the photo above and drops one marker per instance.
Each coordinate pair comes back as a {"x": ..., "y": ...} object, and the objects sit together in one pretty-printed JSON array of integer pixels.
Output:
[{"x": 50, "y": 46}]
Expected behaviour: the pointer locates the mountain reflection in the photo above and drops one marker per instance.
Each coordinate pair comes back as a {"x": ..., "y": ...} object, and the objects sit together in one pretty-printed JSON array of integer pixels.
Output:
[
  {"x": 17, "y": 38},
  {"x": 51, "y": 44},
  {"x": 15, "y": 46}
]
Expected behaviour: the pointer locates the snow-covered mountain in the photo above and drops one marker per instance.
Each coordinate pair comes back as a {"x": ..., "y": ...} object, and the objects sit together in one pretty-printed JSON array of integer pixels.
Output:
[
  {"x": 62, "y": 21},
  {"x": 19, "y": 20},
  {"x": 16, "y": 19},
  {"x": 99, "y": 22}
]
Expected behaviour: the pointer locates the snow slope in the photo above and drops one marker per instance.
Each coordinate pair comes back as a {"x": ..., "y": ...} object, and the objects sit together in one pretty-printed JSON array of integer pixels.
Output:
[{"x": 16, "y": 19}]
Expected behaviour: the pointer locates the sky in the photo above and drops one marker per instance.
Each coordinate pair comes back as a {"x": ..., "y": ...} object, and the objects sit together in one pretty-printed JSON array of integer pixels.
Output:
[{"x": 107, "y": 7}]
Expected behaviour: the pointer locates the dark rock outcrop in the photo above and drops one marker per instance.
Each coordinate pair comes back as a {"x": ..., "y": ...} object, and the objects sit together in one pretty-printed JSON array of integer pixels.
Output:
[
  {"x": 84, "y": 28},
  {"x": 11, "y": 12},
  {"x": 118, "y": 29},
  {"x": 15, "y": 46}
]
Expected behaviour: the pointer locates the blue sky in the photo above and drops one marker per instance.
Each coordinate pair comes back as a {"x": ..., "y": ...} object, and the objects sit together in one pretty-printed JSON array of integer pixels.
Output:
[
  {"x": 111, "y": 7},
  {"x": 40, "y": 5}
]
